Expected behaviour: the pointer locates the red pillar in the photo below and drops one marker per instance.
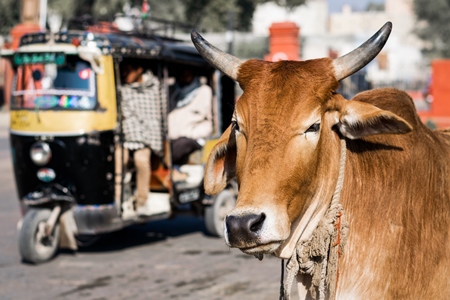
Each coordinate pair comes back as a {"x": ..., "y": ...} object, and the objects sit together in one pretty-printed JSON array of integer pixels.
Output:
[
  {"x": 19, "y": 30},
  {"x": 284, "y": 42},
  {"x": 439, "y": 112}
]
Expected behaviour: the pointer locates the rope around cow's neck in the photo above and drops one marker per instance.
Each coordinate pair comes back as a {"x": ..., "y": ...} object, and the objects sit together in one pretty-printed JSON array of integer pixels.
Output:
[{"x": 319, "y": 256}]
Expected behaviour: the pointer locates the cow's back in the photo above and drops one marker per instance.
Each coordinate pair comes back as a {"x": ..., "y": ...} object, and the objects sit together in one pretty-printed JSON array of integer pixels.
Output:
[{"x": 396, "y": 198}]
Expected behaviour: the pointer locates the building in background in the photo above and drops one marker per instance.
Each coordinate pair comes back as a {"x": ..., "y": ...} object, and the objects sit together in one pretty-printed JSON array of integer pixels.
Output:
[{"x": 329, "y": 35}]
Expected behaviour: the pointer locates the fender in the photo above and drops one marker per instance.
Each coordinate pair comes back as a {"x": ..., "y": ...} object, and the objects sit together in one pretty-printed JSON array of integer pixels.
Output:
[{"x": 48, "y": 194}]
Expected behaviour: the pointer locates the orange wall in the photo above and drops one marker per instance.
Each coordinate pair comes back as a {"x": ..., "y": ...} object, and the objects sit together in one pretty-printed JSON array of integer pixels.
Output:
[
  {"x": 439, "y": 112},
  {"x": 440, "y": 88}
]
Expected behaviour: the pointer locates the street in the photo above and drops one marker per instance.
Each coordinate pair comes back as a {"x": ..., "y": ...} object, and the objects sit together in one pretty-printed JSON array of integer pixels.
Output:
[{"x": 171, "y": 259}]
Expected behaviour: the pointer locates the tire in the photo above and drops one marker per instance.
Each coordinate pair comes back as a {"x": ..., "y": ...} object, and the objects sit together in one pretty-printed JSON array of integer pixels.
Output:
[
  {"x": 35, "y": 249},
  {"x": 215, "y": 214}
]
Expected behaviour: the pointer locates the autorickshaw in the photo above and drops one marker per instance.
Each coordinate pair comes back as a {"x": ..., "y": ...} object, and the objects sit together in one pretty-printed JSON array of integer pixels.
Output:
[{"x": 65, "y": 124}]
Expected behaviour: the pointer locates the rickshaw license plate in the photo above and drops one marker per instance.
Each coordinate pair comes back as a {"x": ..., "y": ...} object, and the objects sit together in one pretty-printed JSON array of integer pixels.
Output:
[{"x": 189, "y": 196}]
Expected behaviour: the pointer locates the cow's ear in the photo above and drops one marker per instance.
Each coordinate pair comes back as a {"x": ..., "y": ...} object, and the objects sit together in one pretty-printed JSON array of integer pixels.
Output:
[
  {"x": 221, "y": 164},
  {"x": 359, "y": 119}
]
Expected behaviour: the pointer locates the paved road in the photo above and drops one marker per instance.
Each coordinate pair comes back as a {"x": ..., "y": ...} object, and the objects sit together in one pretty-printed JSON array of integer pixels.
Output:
[{"x": 161, "y": 260}]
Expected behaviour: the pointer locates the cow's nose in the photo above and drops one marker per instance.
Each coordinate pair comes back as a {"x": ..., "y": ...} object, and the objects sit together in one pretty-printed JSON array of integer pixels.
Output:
[{"x": 243, "y": 228}]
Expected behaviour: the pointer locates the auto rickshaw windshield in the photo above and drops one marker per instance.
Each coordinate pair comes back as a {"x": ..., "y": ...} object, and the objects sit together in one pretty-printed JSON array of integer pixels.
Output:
[{"x": 69, "y": 86}]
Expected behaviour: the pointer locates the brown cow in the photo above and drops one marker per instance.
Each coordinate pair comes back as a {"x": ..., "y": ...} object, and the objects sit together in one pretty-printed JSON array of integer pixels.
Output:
[{"x": 284, "y": 149}]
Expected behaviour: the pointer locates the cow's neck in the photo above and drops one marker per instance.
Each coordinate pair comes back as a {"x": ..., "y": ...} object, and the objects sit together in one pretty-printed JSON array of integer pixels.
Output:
[
  {"x": 303, "y": 228},
  {"x": 322, "y": 233}
]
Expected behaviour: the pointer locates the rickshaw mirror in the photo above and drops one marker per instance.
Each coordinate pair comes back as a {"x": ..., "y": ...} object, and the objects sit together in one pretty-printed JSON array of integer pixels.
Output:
[{"x": 93, "y": 56}]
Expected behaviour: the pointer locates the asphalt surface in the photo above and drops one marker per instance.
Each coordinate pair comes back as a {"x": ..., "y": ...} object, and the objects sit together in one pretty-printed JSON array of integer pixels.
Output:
[{"x": 170, "y": 259}]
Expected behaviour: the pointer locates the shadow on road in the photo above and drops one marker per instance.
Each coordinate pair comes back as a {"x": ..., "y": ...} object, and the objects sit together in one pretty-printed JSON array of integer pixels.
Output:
[{"x": 149, "y": 233}]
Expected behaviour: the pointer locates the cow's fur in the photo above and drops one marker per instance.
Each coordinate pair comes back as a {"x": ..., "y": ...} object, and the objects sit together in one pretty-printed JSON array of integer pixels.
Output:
[
  {"x": 396, "y": 197},
  {"x": 396, "y": 189}
]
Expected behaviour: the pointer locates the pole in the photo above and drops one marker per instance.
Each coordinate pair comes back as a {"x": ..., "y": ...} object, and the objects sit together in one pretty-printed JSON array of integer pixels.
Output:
[
  {"x": 42, "y": 14},
  {"x": 229, "y": 37}
]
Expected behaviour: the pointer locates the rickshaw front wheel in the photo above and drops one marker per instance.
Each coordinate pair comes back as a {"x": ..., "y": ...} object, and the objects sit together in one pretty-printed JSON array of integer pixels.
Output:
[
  {"x": 36, "y": 247},
  {"x": 215, "y": 214}
]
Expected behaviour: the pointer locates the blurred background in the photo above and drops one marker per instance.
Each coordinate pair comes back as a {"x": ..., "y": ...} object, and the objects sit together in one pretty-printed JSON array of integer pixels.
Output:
[{"x": 178, "y": 260}]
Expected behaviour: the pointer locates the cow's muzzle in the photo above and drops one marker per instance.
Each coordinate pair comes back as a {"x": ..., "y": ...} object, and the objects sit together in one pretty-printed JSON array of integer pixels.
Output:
[
  {"x": 246, "y": 232},
  {"x": 244, "y": 229}
]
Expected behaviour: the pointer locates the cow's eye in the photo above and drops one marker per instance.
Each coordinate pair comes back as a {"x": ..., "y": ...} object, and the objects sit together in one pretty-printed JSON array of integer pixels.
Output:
[
  {"x": 313, "y": 128},
  {"x": 235, "y": 125}
]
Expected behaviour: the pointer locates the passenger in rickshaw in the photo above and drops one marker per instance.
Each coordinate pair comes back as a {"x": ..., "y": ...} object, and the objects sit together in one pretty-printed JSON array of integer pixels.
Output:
[
  {"x": 141, "y": 105},
  {"x": 190, "y": 117}
]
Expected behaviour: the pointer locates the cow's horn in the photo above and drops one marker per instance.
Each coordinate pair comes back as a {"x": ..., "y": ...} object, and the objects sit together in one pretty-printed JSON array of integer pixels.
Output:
[
  {"x": 223, "y": 61},
  {"x": 353, "y": 61}
]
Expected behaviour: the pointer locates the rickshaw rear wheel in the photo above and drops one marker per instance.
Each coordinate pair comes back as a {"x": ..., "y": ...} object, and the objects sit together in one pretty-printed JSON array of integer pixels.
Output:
[
  {"x": 215, "y": 214},
  {"x": 35, "y": 247}
]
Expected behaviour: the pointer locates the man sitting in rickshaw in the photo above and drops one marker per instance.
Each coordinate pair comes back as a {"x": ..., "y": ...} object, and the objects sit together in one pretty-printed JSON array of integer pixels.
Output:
[
  {"x": 142, "y": 103},
  {"x": 190, "y": 117}
]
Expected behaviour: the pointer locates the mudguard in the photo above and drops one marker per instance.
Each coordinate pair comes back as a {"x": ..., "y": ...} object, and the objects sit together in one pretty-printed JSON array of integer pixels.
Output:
[{"x": 48, "y": 194}]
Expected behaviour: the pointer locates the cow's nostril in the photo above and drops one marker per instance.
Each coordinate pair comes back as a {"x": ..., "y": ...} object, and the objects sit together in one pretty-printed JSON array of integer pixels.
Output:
[
  {"x": 257, "y": 223},
  {"x": 244, "y": 228}
]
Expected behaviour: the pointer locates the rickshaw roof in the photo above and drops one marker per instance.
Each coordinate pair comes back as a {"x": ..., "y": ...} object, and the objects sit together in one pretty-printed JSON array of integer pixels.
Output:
[{"x": 120, "y": 45}]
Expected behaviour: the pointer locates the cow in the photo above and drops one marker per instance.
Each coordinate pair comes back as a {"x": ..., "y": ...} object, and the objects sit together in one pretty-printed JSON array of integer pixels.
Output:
[{"x": 289, "y": 136}]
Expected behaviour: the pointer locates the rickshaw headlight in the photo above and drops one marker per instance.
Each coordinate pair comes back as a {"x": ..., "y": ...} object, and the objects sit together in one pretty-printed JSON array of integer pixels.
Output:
[{"x": 40, "y": 153}]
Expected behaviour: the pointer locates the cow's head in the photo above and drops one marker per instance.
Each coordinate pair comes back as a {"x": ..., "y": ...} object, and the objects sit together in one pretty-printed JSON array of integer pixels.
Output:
[{"x": 283, "y": 143}]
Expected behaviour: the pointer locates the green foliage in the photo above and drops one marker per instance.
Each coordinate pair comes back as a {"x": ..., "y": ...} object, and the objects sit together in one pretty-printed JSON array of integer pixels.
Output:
[
  {"x": 436, "y": 29},
  {"x": 171, "y": 10},
  {"x": 9, "y": 15},
  {"x": 244, "y": 18},
  {"x": 375, "y": 6},
  {"x": 212, "y": 15},
  {"x": 289, "y": 4},
  {"x": 216, "y": 15},
  {"x": 65, "y": 8},
  {"x": 255, "y": 47},
  {"x": 209, "y": 15},
  {"x": 105, "y": 10}
]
